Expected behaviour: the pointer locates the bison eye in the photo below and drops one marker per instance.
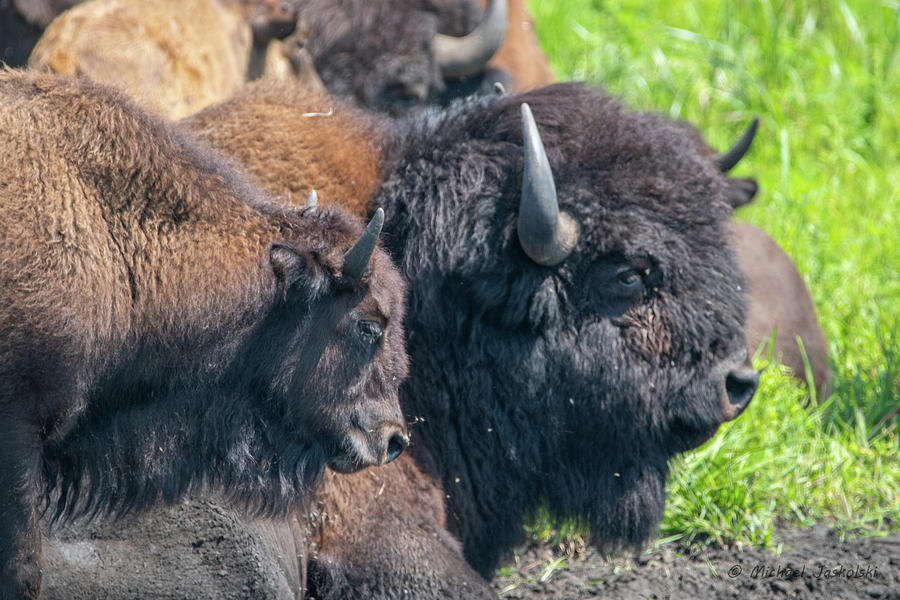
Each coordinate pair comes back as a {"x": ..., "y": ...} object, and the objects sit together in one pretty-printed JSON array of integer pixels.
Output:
[
  {"x": 371, "y": 331},
  {"x": 630, "y": 280}
]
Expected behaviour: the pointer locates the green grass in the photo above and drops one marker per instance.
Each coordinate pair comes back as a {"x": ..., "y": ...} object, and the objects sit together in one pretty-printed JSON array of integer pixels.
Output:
[{"x": 824, "y": 76}]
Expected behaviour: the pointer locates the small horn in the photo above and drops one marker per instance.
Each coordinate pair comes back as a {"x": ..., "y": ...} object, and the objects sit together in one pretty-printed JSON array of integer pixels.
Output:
[
  {"x": 461, "y": 56},
  {"x": 547, "y": 235},
  {"x": 727, "y": 161},
  {"x": 358, "y": 256},
  {"x": 312, "y": 200}
]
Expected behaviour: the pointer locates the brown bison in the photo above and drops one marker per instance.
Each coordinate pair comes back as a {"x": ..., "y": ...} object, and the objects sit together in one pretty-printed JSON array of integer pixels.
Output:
[
  {"x": 571, "y": 330},
  {"x": 175, "y": 56},
  {"x": 779, "y": 301},
  {"x": 164, "y": 326}
]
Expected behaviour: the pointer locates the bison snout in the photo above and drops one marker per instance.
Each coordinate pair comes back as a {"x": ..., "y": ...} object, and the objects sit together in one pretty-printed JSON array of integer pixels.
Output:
[
  {"x": 370, "y": 446},
  {"x": 396, "y": 445},
  {"x": 740, "y": 386}
]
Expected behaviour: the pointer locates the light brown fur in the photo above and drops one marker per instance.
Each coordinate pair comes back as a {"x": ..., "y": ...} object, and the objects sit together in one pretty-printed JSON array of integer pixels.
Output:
[
  {"x": 321, "y": 143},
  {"x": 174, "y": 56}
]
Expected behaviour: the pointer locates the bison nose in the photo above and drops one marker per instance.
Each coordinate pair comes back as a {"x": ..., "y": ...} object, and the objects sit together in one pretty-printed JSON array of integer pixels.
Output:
[
  {"x": 740, "y": 386},
  {"x": 396, "y": 445}
]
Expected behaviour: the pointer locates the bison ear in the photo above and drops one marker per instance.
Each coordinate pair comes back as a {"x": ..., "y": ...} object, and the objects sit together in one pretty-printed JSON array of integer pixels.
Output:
[
  {"x": 293, "y": 268},
  {"x": 740, "y": 192}
]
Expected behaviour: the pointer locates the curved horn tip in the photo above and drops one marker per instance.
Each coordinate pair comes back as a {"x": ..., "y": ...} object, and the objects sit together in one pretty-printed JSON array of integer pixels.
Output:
[
  {"x": 546, "y": 234},
  {"x": 312, "y": 200},
  {"x": 357, "y": 258},
  {"x": 463, "y": 56},
  {"x": 727, "y": 161}
]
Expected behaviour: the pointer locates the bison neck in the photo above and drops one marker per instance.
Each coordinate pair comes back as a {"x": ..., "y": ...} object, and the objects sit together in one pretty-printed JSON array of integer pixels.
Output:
[{"x": 153, "y": 452}]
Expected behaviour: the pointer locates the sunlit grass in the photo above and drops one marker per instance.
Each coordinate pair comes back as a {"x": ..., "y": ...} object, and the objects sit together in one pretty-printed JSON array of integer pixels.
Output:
[{"x": 824, "y": 77}]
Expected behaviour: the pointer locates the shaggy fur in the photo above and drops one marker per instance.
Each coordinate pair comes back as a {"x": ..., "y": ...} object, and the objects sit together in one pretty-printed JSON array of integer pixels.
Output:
[
  {"x": 163, "y": 325},
  {"x": 777, "y": 296},
  {"x": 588, "y": 391},
  {"x": 536, "y": 385},
  {"x": 334, "y": 148}
]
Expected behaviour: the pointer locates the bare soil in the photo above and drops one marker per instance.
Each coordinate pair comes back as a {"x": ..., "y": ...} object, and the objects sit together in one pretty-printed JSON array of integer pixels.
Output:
[{"x": 813, "y": 563}]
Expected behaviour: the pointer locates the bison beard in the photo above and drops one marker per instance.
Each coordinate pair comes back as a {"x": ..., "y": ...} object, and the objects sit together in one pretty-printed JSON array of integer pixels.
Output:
[{"x": 164, "y": 327}]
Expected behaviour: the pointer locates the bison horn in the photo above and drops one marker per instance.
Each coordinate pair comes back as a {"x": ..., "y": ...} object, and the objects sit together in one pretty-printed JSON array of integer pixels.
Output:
[
  {"x": 547, "y": 235},
  {"x": 358, "y": 256},
  {"x": 467, "y": 55},
  {"x": 726, "y": 161},
  {"x": 312, "y": 200}
]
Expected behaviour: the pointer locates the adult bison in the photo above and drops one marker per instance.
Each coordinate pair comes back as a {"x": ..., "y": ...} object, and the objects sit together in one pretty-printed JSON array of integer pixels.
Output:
[
  {"x": 164, "y": 326},
  {"x": 576, "y": 315},
  {"x": 395, "y": 55}
]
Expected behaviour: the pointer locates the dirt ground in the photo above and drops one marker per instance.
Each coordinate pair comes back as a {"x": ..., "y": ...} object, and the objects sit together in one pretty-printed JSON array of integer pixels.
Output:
[{"x": 813, "y": 564}]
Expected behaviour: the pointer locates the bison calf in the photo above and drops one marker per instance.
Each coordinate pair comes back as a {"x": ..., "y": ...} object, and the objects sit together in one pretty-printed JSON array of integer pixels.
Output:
[{"x": 164, "y": 326}]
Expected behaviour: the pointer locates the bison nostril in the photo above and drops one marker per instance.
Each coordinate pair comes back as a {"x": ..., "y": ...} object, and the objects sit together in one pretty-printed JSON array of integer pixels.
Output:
[
  {"x": 740, "y": 385},
  {"x": 396, "y": 445}
]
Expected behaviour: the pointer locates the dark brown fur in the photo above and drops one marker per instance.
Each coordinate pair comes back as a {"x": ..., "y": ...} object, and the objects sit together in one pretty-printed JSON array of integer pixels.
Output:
[{"x": 140, "y": 270}]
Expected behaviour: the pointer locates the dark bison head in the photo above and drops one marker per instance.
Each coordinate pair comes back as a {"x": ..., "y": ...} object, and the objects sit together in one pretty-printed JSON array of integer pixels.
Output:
[
  {"x": 576, "y": 310},
  {"x": 348, "y": 354},
  {"x": 394, "y": 55}
]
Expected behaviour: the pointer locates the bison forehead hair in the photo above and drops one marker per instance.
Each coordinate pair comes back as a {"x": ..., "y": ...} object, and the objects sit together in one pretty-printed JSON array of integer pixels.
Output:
[{"x": 589, "y": 374}]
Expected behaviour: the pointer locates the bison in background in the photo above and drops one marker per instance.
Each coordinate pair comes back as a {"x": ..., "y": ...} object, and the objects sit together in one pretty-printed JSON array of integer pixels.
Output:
[
  {"x": 397, "y": 55},
  {"x": 176, "y": 56},
  {"x": 778, "y": 300},
  {"x": 165, "y": 328}
]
